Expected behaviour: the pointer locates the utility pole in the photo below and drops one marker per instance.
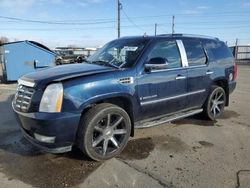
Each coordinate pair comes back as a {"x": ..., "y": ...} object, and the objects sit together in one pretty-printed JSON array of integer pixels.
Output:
[
  {"x": 236, "y": 49},
  {"x": 155, "y": 29},
  {"x": 119, "y": 18},
  {"x": 173, "y": 24}
]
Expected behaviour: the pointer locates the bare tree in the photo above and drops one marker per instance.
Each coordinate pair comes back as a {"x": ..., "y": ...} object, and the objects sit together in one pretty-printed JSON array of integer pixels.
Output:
[{"x": 3, "y": 40}]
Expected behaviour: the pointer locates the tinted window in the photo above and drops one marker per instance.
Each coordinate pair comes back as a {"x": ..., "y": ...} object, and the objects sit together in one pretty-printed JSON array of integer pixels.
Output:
[
  {"x": 195, "y": 52},
  {"x": 167, "y": 50},
  {"x": 221, "y": 51}
]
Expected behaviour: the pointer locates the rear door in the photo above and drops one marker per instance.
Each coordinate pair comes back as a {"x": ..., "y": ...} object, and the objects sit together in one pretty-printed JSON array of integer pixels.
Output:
[
  {"x": 163, "y": 91},
  {"x": 199, "y": 73}
]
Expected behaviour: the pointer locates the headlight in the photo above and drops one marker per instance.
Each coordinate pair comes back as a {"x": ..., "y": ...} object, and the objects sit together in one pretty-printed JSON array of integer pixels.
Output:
[{"x": 52, "y": 98}]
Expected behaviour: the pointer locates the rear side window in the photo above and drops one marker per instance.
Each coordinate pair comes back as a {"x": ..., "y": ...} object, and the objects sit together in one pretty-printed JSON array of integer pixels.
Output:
[
  {"x": 167, "y": 50},
  {"x": 221, "y": 51},
  {"x": 195, "y": 52}
]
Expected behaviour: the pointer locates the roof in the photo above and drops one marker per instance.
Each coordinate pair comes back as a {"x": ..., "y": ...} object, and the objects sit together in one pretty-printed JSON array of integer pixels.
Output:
[
  {"x": 33, "y": 43},
  {"x": 246, "y": 45},
  {"x": 177, "y": 35}
]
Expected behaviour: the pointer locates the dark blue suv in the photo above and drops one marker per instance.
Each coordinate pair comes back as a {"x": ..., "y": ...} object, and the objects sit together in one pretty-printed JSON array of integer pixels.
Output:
[{"x": 132, "y": 82}]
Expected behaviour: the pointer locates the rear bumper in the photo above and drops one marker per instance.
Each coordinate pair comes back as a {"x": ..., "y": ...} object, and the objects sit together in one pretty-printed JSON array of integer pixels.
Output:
[
  {"x": 61, "y": 126},
  {"x": 231, "y": 86}
]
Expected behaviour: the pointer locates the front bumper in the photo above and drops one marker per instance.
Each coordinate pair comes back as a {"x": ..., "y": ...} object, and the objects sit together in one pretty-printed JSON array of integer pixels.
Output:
[{"x": 63, "y": 126}]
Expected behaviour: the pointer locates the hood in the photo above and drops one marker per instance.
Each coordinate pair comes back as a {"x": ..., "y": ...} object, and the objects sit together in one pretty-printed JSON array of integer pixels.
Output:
[{"x": 64, "y": 72}]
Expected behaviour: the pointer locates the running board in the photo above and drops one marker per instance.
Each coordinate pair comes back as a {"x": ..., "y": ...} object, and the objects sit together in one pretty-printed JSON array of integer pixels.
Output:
[{"x": 167, "y": 119}]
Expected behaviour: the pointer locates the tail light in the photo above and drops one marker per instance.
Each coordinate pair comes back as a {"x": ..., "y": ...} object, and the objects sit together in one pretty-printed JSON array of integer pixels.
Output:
[{"x": 235, "y": 71}]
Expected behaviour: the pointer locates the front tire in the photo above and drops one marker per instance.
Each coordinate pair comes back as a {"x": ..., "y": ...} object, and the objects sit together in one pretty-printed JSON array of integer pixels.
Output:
[
  {"x": 104, "y": 131},
  {"x": 215, "y": 103}
]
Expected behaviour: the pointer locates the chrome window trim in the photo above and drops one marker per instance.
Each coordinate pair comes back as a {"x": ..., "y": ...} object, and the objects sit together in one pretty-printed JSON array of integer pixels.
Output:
[
  {"x": 172, "y": 69},
  {"x": 26, "y": 83},
  {"x": 183, "y": 54},
  {"x": 197, "y": 66},
  {"x": 171, "y": 98}
]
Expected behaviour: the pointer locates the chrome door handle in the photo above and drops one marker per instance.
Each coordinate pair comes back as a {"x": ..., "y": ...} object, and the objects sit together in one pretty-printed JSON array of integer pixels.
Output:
[
  {"x": 180, "y": 77},
  {"x": 209, "y": 72}
]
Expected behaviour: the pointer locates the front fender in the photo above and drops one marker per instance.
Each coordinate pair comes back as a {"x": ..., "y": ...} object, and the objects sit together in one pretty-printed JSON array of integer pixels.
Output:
[
  {"x": 80, "y": 93},
  {"x": 107, "y": 97}
]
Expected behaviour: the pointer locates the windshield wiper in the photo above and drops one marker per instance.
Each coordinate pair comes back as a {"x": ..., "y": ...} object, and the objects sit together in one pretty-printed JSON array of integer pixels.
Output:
[
  {"x": 105, "y": 63},
  {"x": 86, "y": 61}
]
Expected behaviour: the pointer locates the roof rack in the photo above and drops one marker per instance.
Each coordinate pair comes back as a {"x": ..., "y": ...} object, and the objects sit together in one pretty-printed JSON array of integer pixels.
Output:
[{"x": 188, "y": 35}]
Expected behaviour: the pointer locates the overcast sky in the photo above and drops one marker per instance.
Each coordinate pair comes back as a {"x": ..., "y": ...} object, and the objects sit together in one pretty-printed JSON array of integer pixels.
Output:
[{"x": 91, "y": 23}]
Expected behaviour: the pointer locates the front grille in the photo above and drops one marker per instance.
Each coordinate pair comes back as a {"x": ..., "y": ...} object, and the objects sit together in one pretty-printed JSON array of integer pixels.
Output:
[{"x": 23, "y": 98}]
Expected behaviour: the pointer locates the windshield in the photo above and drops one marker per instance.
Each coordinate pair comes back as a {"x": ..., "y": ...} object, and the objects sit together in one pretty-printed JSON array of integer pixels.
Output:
[{"x": 121, "y": 53}]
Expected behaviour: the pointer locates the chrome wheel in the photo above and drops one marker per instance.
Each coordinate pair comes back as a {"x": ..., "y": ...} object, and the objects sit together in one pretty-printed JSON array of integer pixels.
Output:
[
  {"x": 217, "y": 102},
  {"x": 109, "y": 134},
  {"x": 104, "y": 131}
]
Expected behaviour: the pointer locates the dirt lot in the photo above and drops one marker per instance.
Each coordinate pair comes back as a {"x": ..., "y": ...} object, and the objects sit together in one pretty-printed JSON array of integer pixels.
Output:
[{"x": 186, "y": 153}]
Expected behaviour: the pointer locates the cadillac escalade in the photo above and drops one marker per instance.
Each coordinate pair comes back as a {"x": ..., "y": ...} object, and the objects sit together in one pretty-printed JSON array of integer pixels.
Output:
[{"x": 132, "y": 82}]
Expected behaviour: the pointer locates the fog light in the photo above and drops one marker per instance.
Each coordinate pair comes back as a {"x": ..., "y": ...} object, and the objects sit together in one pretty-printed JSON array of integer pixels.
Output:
[{"x": 47, "y": 139}]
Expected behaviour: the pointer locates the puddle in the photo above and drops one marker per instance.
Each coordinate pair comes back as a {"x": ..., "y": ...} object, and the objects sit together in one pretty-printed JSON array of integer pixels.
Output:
[
  {"x": 140, "y": 148},
  {"x": 205, "y": 143},
  {"x": 62, "y": 170},
  {"x": 137, "y": 149},
  {"x": 20, "y": 160},
  {"x": 170, "y": 143}
]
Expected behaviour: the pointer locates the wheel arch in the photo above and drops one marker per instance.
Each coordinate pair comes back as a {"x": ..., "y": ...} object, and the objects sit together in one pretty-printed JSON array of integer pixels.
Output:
[
  {"x": 222, "y": 82},
  {"x": 123, "y": 101}
]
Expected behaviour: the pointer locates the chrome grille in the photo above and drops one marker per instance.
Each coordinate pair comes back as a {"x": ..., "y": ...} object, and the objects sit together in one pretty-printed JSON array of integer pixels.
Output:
[{"x": 23, "y": 98}]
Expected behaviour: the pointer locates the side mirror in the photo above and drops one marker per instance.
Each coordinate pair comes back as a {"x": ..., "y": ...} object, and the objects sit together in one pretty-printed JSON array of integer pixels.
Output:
[{"x": 156, "y": 63}]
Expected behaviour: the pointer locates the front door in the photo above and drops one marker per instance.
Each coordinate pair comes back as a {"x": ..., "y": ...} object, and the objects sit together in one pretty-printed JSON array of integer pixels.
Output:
[{"x": 163, "y": 91}]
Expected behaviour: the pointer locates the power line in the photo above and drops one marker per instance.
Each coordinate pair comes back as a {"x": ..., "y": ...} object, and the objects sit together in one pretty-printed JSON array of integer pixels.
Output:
[
  {"x": 131, "y": 21},
  {"x": 56, "y": 23},
  {"x": 213, "y": 22},
  {"x": 224, "y": 27},
  {"x": 124, "y": 26},
  {"x": 79, "y": 28},
  {"x": 112, "y": 20}
]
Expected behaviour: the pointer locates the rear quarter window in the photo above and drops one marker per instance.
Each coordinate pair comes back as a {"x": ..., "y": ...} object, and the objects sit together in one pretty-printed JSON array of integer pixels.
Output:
[{"x": 219, "y": 50}]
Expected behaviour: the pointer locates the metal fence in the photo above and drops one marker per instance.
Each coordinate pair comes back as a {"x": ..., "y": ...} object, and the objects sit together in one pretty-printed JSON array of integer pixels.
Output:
[{"x": 241, "y": 54}]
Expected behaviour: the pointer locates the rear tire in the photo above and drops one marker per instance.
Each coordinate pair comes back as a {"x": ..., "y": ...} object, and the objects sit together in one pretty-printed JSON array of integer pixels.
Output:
[
  {"x": 215, "y": 103},
  {"x": 104, "y": 131}
]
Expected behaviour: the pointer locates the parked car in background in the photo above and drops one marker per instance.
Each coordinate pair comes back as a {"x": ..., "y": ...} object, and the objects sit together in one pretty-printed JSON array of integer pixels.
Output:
[
  {"x": 132, "y": 82},
  {"x": 68, "y": 55}
]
